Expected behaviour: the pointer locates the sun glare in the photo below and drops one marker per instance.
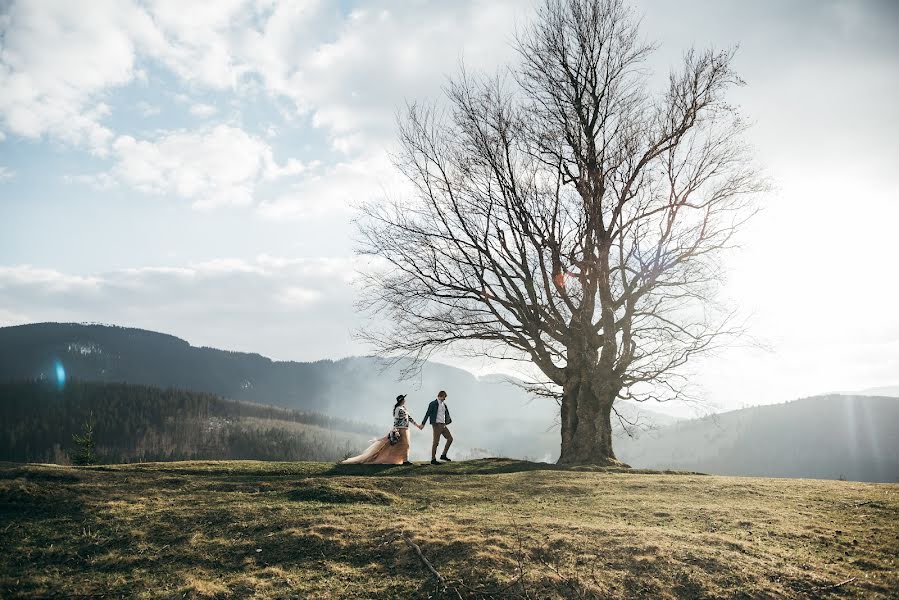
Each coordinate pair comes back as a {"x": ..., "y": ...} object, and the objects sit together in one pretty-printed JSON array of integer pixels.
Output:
[{"x": 60, "y": 374}]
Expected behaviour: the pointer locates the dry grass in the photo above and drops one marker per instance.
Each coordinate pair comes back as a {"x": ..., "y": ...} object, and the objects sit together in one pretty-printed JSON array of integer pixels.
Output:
[{"x": 275, "y": 530}]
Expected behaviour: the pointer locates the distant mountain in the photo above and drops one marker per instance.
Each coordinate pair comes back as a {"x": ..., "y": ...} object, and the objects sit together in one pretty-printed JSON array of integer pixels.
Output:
[
  {"x": 832, "y": 436},
  {"x": 493, "y": 416},
  {"x": 823, "y": 437}
]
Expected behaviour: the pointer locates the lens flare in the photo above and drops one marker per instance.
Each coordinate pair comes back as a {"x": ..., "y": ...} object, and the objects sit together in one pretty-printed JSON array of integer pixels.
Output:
[{"x": 60, "y": 374}]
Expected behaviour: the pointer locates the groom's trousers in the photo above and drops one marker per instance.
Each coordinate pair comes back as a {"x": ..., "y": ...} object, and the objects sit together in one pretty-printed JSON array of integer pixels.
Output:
[{"x": 440, "y": 430}]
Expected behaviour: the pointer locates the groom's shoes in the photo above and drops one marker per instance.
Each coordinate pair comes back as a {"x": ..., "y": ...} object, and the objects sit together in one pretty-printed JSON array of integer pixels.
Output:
[
  {"x": 446, "y": 458},
  {"x": 434, "y": 461}
]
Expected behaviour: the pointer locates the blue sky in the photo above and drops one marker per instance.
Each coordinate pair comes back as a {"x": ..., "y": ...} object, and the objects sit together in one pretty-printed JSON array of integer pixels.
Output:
[{"x": 191, "y": 168}]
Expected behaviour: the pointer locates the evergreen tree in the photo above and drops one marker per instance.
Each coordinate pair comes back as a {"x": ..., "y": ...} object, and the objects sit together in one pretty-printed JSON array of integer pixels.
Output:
[{"x": 85, "y": 451}]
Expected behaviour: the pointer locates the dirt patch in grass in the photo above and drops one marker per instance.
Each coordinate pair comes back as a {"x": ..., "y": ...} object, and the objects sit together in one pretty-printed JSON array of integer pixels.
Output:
[{"x": 316, "y": 490}]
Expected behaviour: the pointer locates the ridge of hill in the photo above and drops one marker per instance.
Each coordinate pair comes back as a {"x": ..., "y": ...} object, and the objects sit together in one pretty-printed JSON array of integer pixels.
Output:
[{"x": 824, "y": 437}]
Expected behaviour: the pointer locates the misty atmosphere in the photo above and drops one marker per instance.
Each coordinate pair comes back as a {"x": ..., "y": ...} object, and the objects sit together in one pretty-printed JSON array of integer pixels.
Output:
[
  {"x": 830, "y": 436},
  {"x": 472, "y": 299}
]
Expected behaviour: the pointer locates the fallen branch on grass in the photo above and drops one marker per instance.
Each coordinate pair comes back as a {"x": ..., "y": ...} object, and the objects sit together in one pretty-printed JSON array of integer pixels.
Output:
[
  {"x": 424, "y": 560},
  {"x": 858, "y": 504},
  {"x": 440, "y": 579},
  {"x": 834, "y": 586}
]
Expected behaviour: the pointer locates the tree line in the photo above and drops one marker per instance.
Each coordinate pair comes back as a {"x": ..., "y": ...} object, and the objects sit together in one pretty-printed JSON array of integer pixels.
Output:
[{"x": 132, "y": 423}]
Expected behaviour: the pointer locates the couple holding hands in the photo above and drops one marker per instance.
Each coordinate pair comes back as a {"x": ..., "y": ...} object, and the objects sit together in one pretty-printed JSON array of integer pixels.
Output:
[{"x": 393, "y": 449}]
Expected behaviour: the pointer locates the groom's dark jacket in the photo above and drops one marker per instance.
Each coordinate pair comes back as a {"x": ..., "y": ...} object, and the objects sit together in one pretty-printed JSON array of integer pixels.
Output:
[{"x": 432, "y": 413}]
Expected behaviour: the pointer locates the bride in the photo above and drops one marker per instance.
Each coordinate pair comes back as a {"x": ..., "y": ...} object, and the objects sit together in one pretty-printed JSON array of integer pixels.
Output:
[{"x": 392, "y": 449}]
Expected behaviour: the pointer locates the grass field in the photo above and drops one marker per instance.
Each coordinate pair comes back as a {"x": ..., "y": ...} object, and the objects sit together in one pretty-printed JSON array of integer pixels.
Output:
[{"x": 491, "y": 528}]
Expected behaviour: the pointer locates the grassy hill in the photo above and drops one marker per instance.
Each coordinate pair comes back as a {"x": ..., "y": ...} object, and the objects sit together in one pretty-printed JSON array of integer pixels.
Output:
[{"x": 491, "y": 528}]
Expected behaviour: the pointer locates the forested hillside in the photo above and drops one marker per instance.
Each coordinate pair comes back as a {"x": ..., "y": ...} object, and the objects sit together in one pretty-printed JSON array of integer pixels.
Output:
[
  {"x": 144, "y": 423},
  {"x": 495, "y": 416},
  {"x": 109, "y": 353},
  {"x": 824, "y": 437}
]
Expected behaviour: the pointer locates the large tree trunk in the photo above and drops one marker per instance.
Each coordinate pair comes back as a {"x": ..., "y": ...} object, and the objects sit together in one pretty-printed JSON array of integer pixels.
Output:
[{"x": 587, "y": 422}]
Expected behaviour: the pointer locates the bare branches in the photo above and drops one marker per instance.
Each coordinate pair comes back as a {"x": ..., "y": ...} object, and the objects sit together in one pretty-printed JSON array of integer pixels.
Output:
[{"x": 566, "y": 212}]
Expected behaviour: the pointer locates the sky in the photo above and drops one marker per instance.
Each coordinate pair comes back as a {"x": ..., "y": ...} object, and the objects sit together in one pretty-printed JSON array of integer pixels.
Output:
[{"x": 192, "y": 168}]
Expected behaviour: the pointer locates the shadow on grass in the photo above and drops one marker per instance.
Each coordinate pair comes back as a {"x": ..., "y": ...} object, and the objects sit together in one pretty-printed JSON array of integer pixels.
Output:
[
  {"x": 482, "y": 466},
  {"x": 36, "y": 472},
  {"x": 253, "y": 477},
  {"x": 22, "y": 497},
  {"x": 337, "y": 493}
]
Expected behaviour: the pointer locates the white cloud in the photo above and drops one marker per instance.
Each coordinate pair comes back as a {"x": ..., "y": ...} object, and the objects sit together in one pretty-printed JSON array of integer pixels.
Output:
[
  {"x": 336, "y": 188},
  {"x": 59, "y": 57},
  {"x": 291, "y": 167},
  {"x": 353, "y": 81},
  {"x": 57, "y": 60},
  {"x": 47, "y": 280},
  {"x": 227, "y": 265},
  {"x": 214, "y": 166},
  {"x": 299, "y": 296},
  {"x": 6, "y": 174},
  {"x": 198, "y": 42},
  {"x": 349, "y": 72},
  {"x": 336, "y": 270},
  {"x": 348, "y": 144},
  {"x": 202, "y": 110}
]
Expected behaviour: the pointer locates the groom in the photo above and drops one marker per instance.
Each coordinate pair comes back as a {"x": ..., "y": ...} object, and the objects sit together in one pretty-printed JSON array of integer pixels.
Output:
[{"x": 439, "y": 417}]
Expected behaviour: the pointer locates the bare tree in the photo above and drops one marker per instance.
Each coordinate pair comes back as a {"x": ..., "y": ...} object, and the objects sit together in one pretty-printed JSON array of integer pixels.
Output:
[{"x": 567, "y": 215}]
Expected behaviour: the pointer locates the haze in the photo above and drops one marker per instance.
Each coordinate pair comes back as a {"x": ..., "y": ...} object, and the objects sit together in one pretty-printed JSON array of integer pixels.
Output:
[{"x": 194, "y": 171}]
